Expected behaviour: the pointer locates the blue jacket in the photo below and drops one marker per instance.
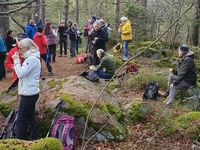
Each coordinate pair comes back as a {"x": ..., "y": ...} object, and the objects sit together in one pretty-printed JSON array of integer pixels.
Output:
[
  {"x": 30, "y": 31},
  {"x": 2, "y": 45}
]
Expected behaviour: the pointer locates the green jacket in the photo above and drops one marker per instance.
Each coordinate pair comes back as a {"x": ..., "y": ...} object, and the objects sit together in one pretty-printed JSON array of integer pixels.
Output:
[
  {"x": 187, "y": 70},
  {"x": 107, "y": 63}
]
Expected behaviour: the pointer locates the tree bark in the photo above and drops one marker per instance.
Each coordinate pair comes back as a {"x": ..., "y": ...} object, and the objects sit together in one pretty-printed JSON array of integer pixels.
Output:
[
  {"x": 66, "y": 9},
  {"x": 4, "y": 20},
  {"x": 117, "y": 11},
  {"x": 77, "y": 11},
  {"x": 43, "y": 9},
  {"x": 195, "y": 28}
]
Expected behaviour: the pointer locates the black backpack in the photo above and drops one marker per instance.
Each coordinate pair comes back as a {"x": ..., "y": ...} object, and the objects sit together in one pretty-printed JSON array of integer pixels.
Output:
[
  {"x": 151, "y": 91},
  {"x": 9, "y": 128}
]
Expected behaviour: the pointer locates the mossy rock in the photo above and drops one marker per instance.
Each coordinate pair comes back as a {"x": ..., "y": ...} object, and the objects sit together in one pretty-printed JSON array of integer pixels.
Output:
[
  {"x": 13, "y": 92},
  {"x": 118, "y": 61},
  {"x": 112, "y": 86},
  {"x": 51, "y": 83},
  {"x": 166, "y": 62},
  {"x": 42, "y": 144},
  {"x": 5, "y": 108},
  {"x": 138, "y": 111},
  {"x": 157, "y": 45}
]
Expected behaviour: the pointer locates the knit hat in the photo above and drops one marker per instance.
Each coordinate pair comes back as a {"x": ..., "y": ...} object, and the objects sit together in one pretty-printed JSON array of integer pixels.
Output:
[
  {"x": 184, "y": 48},
  {"x": 124, "y": 18},
  {"x": 94, "y": 18}
]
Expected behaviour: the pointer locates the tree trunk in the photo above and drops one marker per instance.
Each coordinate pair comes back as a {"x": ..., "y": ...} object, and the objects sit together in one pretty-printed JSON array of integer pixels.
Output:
[
  {"x": 117, "y": 11},
  {"x": 66, "y": 9},
  {"x": 195, "y": 28},
  {"x": 43, "y": 9},
  {"x": 77, "y": 11},
  {"x": 144, "y": 3},
  {"x": 4, "y": 20},
  {"x": 37, "y": 10},
  {"x": 30, "y": 12},
  {"x": 106, "y": 9}
]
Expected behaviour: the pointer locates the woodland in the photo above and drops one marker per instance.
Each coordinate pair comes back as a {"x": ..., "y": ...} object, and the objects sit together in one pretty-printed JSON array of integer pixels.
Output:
[{"x": 113, "y": 115}]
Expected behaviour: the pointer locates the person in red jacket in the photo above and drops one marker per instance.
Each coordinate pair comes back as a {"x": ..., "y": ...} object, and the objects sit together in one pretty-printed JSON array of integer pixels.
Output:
[{"x": 40, "y": 40}]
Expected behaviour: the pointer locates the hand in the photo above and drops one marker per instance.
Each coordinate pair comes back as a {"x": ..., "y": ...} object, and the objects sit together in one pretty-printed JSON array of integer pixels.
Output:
[
  {"x": 94, "y": 42},
  {"x": 96, "y": 38},
  {"x": 15, "y": 56},
  {"x": 172, "y": 85},
  {"x": 92, "y": 67}
]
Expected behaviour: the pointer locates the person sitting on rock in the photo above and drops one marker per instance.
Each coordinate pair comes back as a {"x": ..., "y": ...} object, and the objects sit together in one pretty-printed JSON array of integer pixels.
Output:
[
  {"x": 186, "y": 75},
  {"x": 106, "y": 68}
]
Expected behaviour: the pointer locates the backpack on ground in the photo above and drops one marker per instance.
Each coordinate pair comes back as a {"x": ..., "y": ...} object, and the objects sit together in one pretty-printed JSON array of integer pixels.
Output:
[
  {"x": 63, "y": 128},
  {"x": 91, "y": 75},
  {"x": 80, "y": 59},
  {"x": 151, "y": 91},
  {"x": 9, "y": 128},
  {"x": 133, "y": 69}
]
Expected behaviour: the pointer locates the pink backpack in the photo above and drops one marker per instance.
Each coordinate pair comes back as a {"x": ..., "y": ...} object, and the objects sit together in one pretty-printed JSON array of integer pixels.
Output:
[{"x": 64, "y": 129}]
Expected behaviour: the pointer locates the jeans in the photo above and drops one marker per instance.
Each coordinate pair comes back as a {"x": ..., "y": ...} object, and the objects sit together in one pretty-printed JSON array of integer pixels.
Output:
[
  {"x": 172, "y": 91},
  {"x": 73, "y": 48},
  {"x": 52, "y": 52},
  {"x": 2, "y": 66},
  {"x": 26, "y": 117},
  {"x": 44, "y": 57},
  {"x": 63, "y": 42},
  {"x": 104, "y": 75},
  {"x": 125, "y": 47}
]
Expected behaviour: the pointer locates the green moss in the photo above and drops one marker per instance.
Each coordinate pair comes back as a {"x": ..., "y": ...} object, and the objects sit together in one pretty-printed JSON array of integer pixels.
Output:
[
  {"x": 74, "y": 107},
  {"x": 119, "y": 133},
  {"x": 60, "y": 84},
  {"x": 51, "y": 83},
  {"x": 118, "y": 61},
  {"x": 113, "y": 85},
  {"x": 157, "y": 45},
  {"x": 166, "y": 62},
  {"x": 5, "y": 108},
  {"x": 13, "y": 92},
  {"x": 184, "y": 121},
  {"x": 138, "y": 112},
  {"x": 47, "y": 144}
]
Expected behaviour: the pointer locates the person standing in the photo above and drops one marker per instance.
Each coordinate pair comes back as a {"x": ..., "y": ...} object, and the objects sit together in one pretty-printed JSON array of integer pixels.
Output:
[
  {"x": 105, "y": 29},
  {"x": 10, "y": 41},
  {"x": 125, "y": 30},
  {"x": 62, "y": 30},
  {"x": 40, "y": 40},
  {"x": 2, "y": 58},
  {"x": 28, "y": 87},
  {"x": 50, "y": 34},
  {"x": 31, "y": 29}
]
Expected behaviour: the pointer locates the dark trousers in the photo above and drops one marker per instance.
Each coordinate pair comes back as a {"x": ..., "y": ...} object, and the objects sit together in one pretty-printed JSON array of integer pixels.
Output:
[
  {"x": 52, "y": 52},
  {"x": 95, "y": 59},
  {"x": 26, "y": 117},
  {"x": 44, "y": 57},
  {"x": 73, "y": 48},
  {"x": 104, "y": 75},
  {"x": 63, "y": 42},
  {"x": 2, "y": 66}
]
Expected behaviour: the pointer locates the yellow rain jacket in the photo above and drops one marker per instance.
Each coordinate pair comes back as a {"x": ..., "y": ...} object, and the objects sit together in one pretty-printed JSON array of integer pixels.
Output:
[{"x": 126, "y": 31}]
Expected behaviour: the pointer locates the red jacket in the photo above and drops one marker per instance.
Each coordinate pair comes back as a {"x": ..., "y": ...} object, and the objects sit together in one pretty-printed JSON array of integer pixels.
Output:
[
  {"x": 9, "y": 63},
  {"x": 40, "y": 40}
]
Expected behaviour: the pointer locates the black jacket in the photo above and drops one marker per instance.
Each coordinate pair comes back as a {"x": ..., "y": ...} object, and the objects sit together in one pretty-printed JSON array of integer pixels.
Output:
[
  {"x": 62, "y": 30},
  {"x": 187, "y": 70},
  {"x": 72, "y": 33},
  {"x": 9, "y": 43},
  {"x": 102, "y": 39}
]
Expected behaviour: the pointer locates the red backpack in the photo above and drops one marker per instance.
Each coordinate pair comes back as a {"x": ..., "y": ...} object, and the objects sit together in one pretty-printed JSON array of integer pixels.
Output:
[{"x": 133, "y": 69}]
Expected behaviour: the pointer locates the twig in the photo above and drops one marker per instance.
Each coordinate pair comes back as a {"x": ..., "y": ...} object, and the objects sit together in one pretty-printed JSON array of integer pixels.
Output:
[
  {"x": 127, "y": 63},
  {"x": 13, "y": 3},
  {"x": 18, "y": 9},
  {"x": 21, "y": 26}
]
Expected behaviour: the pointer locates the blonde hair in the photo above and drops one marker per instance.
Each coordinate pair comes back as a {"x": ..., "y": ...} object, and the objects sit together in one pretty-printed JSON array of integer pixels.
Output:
[
  {"x": 27, "y": 44},
  {"x": 100, "y": 52}
]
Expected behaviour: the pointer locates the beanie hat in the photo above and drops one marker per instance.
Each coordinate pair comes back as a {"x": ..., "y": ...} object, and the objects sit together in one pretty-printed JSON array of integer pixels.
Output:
[
  {"x": 124, "y": 18},
  {"x": 94, "y": 18},
  {"x": 184, "y": 48}
]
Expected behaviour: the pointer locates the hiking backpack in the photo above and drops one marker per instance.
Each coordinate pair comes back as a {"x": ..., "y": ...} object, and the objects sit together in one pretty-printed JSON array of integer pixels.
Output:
[
  {"x": 64, "y": 129},
  {"x": 91, "y": 75},
  {"x": 80, "y": 59},
  {"x": 9, "y": 128},
  {"x": 151, "y": 91},
  {"x": 133, "y": 69}
]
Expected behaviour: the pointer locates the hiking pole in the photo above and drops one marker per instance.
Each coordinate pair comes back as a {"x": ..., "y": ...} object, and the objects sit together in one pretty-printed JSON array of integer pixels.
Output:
[
  {"x": 122, "y": 66},
  {"x": 58, "y": 106}
]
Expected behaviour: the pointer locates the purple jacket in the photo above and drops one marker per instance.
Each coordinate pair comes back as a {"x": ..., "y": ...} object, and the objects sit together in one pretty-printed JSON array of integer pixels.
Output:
[{"x": 51, "y": 38}]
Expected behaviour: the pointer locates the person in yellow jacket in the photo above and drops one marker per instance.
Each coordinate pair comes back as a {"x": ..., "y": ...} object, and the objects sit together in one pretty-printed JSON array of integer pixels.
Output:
[{"x": 125, "y": 30}]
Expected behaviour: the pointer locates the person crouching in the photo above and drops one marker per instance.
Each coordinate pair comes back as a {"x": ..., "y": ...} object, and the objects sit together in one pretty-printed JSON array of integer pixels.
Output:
[{"x": 28, "y": 87}]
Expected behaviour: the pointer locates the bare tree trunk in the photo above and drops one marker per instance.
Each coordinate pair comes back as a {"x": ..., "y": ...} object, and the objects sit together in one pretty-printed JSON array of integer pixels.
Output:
[
  {"x": 144, "y": 3},
  {"x": 106, "y": 9},
  {"x": 30, "y": 12},
  {"x": 77, "y": 11},
  {"x": 195, "y": 28},
  {"x": 66, "y": 9},
  {"x": 4, "y": 20},
  {"x": 117, "y": 11},
  {"x": 37, "y": 12},
  {"x": 42, "y": 9}
]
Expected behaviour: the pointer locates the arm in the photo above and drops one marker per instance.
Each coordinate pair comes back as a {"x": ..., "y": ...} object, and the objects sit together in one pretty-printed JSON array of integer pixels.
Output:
[
  {"x": 101, "y": 65},
  {"x": 127, "y": 29},
  {"x": 9, "y": 63},
  {"x": 44, "y": 41},
  {"x": 25, "y": 69}
]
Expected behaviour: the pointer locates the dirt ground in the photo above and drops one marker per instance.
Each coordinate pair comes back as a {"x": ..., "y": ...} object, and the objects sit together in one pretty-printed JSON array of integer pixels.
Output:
[{"x": 63, "y": 67}]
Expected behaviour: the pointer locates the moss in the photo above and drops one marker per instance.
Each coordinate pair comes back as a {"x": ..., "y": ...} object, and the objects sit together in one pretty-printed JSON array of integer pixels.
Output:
[
  {"x": 138, "y": 112},
  {"x": 47, "y": 144},
  {"x": 13, "y": 92},
  {"x": 113, "y": 85},
  {"x": 184, "y": 121},
  {"x": 74, "y": 107},
  {"x": 157, "y": 45},
  {"x": 51, "y": 83},
  {"x": 166, "y": 62},
  {"x": 118, "y": 62},
  {"x": 5, "y": 108},
  {"x": 60, "y": 84},
  {"x": 119, "y": 133}
]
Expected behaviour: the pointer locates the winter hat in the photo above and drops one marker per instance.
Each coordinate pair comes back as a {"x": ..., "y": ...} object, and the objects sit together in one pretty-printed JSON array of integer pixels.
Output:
[
  {"x": 102, "y": 22},
  {"x": 94, "y": 18},
  {"x": 184, "y": 48},
  {"x": 124, "y": 18}
]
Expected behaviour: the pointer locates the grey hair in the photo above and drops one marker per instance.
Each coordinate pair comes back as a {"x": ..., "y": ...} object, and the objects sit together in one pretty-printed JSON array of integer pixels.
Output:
[
  {"x": 27, "y": 44},
  {"x": 100, "y": 52}
]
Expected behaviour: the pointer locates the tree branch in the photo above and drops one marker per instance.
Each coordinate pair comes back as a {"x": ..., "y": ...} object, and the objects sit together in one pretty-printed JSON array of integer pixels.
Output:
[
  {"x": 14, "y": 3},
  {"x": 15, "y": 10},
  {"x": 21, "y": 26}
]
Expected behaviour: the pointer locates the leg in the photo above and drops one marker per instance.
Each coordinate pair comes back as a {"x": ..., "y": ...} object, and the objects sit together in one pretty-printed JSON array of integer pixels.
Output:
[
  {"x": 125, "y": 47},
  {"x": 65, "y": 46},
  {"x": 172, "y": 92},
  {"x": 77, "y": 41},
  {"x": 2, "y": 66},
  {"x": 54, "y": 52},
  {"x": 103, "y": 75},
  {"x": 50, "y": 52},
  {"x": 44, "y": 57},
  {"x": 61, "y": 44}
]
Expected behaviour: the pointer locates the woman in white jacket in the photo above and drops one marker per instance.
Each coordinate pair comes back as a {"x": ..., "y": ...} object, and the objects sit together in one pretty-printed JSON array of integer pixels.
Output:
[{"x": 28, "y": 86}]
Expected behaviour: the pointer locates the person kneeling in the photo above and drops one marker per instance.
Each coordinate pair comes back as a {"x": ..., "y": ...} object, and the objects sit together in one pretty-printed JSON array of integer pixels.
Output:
[
  {"x": 186, "y": 76},
  {"x": 106, "y": 68}
]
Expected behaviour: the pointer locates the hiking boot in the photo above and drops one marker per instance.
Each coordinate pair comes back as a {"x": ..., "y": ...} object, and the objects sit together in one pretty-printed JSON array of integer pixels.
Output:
[
  {"x": 50, "y": 73},
  {"x": 125, "y": 59}
]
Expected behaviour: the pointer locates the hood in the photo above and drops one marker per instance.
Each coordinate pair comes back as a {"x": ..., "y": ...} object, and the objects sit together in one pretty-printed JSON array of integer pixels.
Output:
[
  {"x": 190, "y": 54},
  {"x": 33, "y": 52},
  {"x": 38, "y": 34}
]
